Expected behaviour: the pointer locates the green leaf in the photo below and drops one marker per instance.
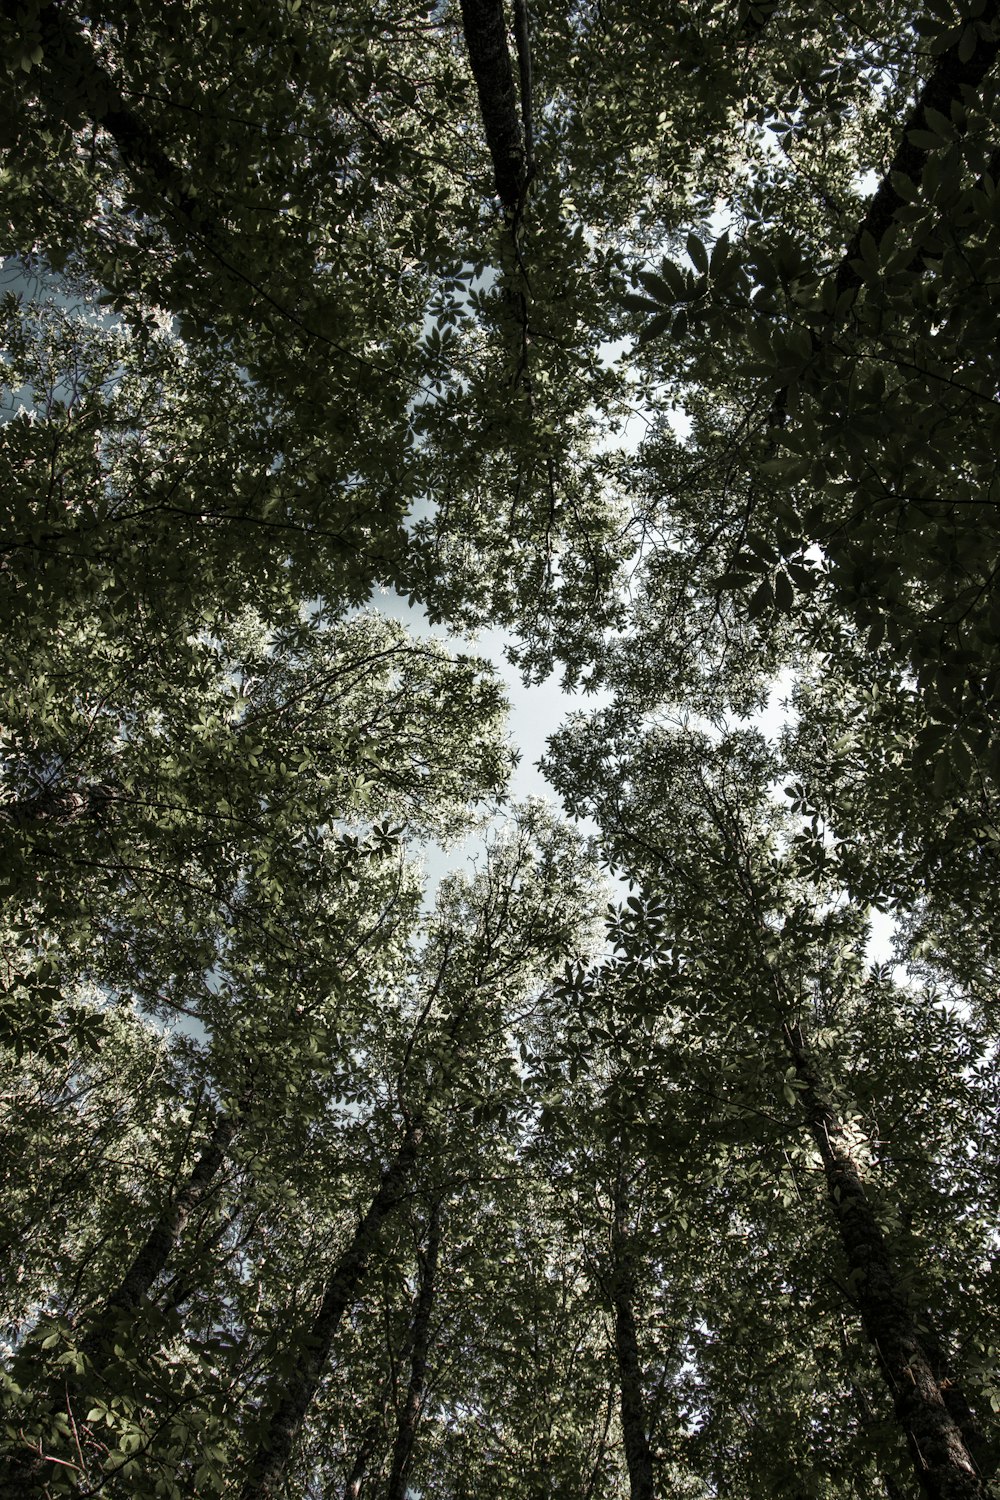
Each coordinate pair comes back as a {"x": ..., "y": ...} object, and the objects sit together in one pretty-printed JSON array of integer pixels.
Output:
[
  {"x": 639, "y": 304},
  {"x": 784, "y": 592},
  {"x": 925, "y": 139},
  {"x": 967, "y": 42},
  {"x": 761, "y": 600},
  {"x": 656, "y": 327},
  {"x": 658, "y": 288},
  {"x": 699, "y": 255}
]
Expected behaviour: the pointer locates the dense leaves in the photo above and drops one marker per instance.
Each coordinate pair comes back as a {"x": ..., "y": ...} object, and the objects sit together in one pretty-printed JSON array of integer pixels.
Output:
[{"x": 626, "y": 1164}]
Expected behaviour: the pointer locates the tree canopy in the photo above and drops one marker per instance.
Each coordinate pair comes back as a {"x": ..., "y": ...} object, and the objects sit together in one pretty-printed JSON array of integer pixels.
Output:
[{"x": 619, "y": 1159}]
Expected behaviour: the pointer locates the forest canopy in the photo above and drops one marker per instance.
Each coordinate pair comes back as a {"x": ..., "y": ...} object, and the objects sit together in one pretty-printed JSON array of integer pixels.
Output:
[{"x": 663, "y": 340}]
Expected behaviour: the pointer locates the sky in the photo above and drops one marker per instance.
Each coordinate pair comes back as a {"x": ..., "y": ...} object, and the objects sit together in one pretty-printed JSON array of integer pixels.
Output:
[{"x": 537, "y": 712}]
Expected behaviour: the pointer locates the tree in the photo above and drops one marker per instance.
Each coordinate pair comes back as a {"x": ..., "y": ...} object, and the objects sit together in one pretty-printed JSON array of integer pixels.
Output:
[
  {"x": 281, "y": 926},
  {"x": 306, "y": 304},
  {"x": 714, "y": 804}
]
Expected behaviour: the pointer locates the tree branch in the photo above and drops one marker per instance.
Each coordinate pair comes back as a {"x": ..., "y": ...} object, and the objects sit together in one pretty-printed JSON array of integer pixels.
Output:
[
  {"x": 946, "y": 86},
  {"x": 485, "y": 31}
]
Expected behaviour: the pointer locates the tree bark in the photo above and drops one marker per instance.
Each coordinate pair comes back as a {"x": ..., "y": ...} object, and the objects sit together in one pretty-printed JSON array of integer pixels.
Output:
[
  {"x": 268, "y": 1466},
  {"x": 355, "y": 1479},
  {"x": 75, "y": 85},
  {"x": 945, "y": 86},
  {"x": 944, "y": 1466},
  {"x": 637, "y": 1454},
  {"x": 30, "y": 1473},
  {"x": 983, "y": 1450},
  {"x": 485, "y": 28},
  {"x": 409, "y": 1413},
  {"x": 151, "y": 1260}
]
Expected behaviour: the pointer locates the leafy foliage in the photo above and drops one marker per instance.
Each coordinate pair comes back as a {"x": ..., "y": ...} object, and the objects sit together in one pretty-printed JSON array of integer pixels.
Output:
[{"x": 326, "y": 1173}]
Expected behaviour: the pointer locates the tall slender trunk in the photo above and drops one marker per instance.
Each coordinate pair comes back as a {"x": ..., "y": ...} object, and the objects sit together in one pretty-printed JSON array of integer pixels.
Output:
[
  {"x": 485, "y": 28},
  {"x": 74, "y": 83},
  {"x": 982, "y": 1447},
  {"x": 952, "y": 78},
  {"x": 409, "y": 1413},
  {"x": 151, "y": 1259},
  {"x": 944, "y": 1466},
  {"x": 637, "y": 1454},
  {"x": 268, "y": 1466},
  {"x": 30, "y": 1473},
  {"x": 362, "y": 1458}
]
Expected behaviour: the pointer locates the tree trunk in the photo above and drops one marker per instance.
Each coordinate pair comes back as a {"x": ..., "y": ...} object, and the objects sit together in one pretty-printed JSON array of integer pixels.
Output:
[
  {"x": 75, "y": 86},
  {"x": 637, "y": 1454},
  {"x": 485, "y": 28},
  {"x": 409, "y": 1414},
  {"x": 151, "y": 1260},
  {"x": 30, "y": 1473},
  {"x": 944, "y": 1467},
  {"x": 355, "y": 1479},
  {"x": 950, "y": 80},
  {"x": 946, "y": 85},
  {"x": 268, "y": 1466},
  {"x": 983, "y": 1449}
]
